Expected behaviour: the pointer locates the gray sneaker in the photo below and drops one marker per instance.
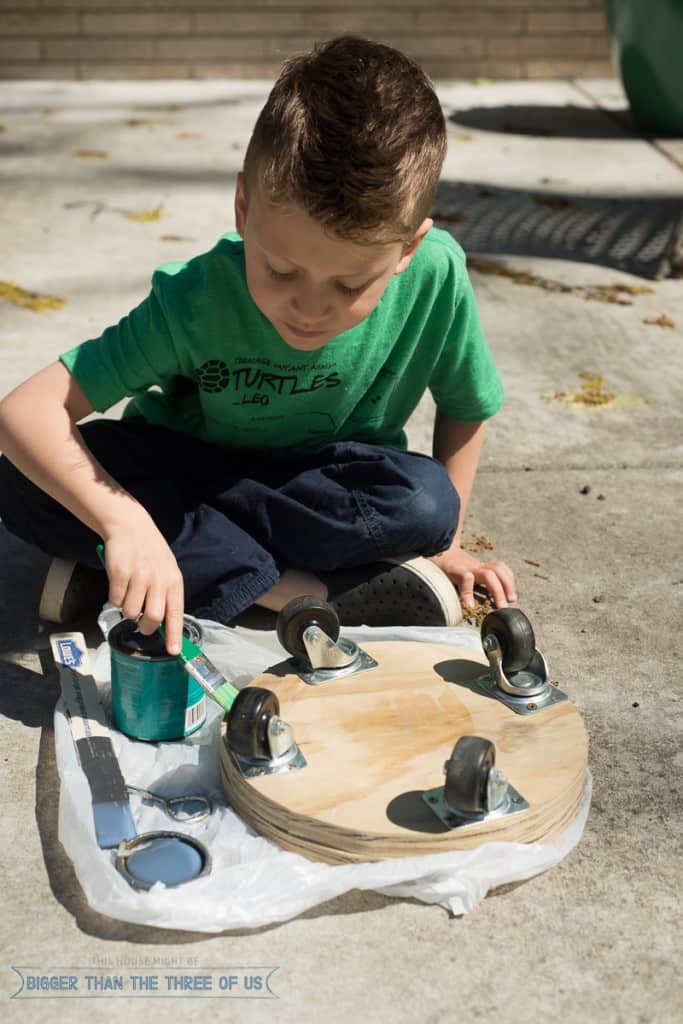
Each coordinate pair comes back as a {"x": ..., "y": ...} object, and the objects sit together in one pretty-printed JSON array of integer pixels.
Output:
[
  {"x": 72, "y": 590},
  {"x": 410, "y": 591}
]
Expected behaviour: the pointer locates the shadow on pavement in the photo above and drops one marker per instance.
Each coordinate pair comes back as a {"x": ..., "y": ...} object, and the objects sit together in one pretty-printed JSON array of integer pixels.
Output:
[
  {"x": 641, "y": 236},
  {"x": 565, "y": 121}
]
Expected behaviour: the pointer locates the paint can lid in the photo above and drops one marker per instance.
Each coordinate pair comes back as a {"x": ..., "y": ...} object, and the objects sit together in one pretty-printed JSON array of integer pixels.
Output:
[
  {"x": 168, "y": 857},
  {"x": 126, "y": 638}
]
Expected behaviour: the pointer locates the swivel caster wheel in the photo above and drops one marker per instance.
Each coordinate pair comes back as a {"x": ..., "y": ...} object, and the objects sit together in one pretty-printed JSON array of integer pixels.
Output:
[
  {"x": 519, "y": 674},
  {"x": 514, "y": 634},
  {"x": 308, "y": 629},
  {"x": 467, "y": 775},
  {"x": 475, "y": 789},
  {"x": 260, "y": 742},
  {"x": 248, "y": 721},
  {"x": 297, "y": 616}
]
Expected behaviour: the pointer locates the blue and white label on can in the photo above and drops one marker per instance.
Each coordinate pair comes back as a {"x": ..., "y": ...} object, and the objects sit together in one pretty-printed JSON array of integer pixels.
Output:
[{"x": 70, "y": 653}]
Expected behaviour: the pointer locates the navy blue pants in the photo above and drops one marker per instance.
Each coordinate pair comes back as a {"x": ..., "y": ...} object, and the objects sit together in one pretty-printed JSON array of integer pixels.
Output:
[{"x": 235, "y": 521}]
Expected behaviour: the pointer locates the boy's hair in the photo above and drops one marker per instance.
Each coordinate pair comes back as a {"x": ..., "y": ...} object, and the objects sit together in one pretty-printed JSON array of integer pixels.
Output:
[{"x": 352, "y": 132}]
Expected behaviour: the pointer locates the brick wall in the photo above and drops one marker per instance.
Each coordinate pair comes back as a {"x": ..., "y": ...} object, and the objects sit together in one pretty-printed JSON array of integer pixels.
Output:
[{"x": 249, "y": 38}]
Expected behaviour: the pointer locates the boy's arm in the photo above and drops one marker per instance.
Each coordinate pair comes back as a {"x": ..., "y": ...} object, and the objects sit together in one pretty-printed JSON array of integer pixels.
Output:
[
  {"x": 457, "y": 446},
  {"x": 38, "y": 434}
]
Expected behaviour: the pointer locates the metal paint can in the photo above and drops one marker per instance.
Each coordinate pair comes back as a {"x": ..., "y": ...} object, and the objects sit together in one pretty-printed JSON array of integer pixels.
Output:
[{"x": 153, "y": 697}]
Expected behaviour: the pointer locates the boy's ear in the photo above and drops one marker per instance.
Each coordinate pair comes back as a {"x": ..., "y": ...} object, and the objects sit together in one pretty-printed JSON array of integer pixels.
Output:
[
  {"x": 240, "y": 205},
  {"x": 411, "y": 247}
]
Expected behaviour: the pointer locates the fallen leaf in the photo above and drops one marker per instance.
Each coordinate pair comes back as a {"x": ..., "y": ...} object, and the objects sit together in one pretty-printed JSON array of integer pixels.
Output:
[
  {"x": 463, "y": 137},
  {"x": 99, "y": 205},
  {"x": 517, "y": 276},
  {"x": 593, "y": 395},
  {"x": 596, "y": 293},
  {"x": 659, "y": 321},
  {"x": 90, "y": 154},
  {"x": 145, "y": 215},
  {"x": 139, "y": 122},
  {"x": 614, "y": 297},
  {"x": 480, "y": 543},
  {"x": 28, "y": 300},
  {"x": 592, "y": 392},
  {"x": 630, "y": 289},
  {"x": 189, "y": 135},
  {"x": 530, "y": 562},
  {"x": 176, "y": 238}
]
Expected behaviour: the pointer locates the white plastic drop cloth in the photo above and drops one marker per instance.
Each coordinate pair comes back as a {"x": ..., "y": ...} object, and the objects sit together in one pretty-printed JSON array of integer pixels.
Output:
[{"x": 252, "y": 881}]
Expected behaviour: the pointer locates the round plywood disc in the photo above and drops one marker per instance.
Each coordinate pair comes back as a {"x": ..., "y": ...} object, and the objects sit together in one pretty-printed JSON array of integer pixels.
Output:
[{"x": 376, "y": 740}]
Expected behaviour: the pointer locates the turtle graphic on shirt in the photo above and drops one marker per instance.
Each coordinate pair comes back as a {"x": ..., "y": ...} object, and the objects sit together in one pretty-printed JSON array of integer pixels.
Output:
[{"x": 212, "y": 376}]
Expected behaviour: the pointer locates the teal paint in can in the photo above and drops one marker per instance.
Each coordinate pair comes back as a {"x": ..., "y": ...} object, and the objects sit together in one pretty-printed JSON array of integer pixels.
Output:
[{"x": 153, "y": 697}]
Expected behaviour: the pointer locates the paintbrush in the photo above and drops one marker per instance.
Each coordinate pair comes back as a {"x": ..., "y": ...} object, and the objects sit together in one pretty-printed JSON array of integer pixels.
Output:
[
  {"x": 212, "y": 681},
  {"x": 111, "y": 811},
  {"x": 198, "y": 666}
]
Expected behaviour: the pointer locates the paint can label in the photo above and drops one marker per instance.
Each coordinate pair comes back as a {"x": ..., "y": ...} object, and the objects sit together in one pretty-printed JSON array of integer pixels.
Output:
[{"x": 195, "y": 715}]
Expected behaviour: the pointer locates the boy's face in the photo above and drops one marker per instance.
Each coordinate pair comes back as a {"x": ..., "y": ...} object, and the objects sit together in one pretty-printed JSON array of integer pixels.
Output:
[{"x": 312, "y": 285}]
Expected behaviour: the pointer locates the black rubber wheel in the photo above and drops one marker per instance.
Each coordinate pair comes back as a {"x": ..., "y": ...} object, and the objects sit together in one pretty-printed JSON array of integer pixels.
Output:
[
  {"x": 297, "y": 616},
  {"x": 515, "y": 635},
  {"x": 248, "y": 719},
  {"x": 467, "y": 774}
]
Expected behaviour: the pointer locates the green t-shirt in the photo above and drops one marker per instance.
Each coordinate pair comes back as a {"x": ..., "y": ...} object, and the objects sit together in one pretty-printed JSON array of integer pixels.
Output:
[{"x": 198, "y": 356}]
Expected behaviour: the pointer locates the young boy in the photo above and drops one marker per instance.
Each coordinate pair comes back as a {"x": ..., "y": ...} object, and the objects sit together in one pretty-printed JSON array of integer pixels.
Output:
[{"x": 263, "y": 454}]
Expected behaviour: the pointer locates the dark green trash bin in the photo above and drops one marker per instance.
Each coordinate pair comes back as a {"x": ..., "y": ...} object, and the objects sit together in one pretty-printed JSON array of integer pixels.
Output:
[{"x": 647, "y": 51}]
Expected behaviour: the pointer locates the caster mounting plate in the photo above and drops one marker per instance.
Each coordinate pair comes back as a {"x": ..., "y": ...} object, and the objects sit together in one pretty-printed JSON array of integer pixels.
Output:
[{"x": 453, "y": 818}]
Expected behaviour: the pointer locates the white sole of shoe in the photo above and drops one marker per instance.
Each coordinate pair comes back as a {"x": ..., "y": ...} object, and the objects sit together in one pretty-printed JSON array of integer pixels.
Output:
[
  {"x": 438, "y": 582},
  {"x": 54, "y": 589}
]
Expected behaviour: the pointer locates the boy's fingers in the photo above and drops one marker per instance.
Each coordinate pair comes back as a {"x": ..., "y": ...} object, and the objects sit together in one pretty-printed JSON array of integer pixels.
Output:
[
  {"x": 118, "y": 585},
  {"x": 500, "y": 582},
  {"x": 134, "y": 600},
  {"x": 153, "y": 614},
  {"x": 466, "y": 587},
  {"x": 495, "y": 588},
  {"x": 173, "y": 624}
]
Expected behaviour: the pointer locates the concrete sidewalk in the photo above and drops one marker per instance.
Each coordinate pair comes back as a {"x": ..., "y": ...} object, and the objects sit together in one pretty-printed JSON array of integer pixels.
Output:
[{"x": 104, "y": 181}]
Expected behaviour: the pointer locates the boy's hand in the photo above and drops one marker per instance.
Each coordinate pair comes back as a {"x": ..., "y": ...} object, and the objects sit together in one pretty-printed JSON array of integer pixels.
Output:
[
  {"x": 145, "y": 581},
  {"x": 466, "y": 571}
]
